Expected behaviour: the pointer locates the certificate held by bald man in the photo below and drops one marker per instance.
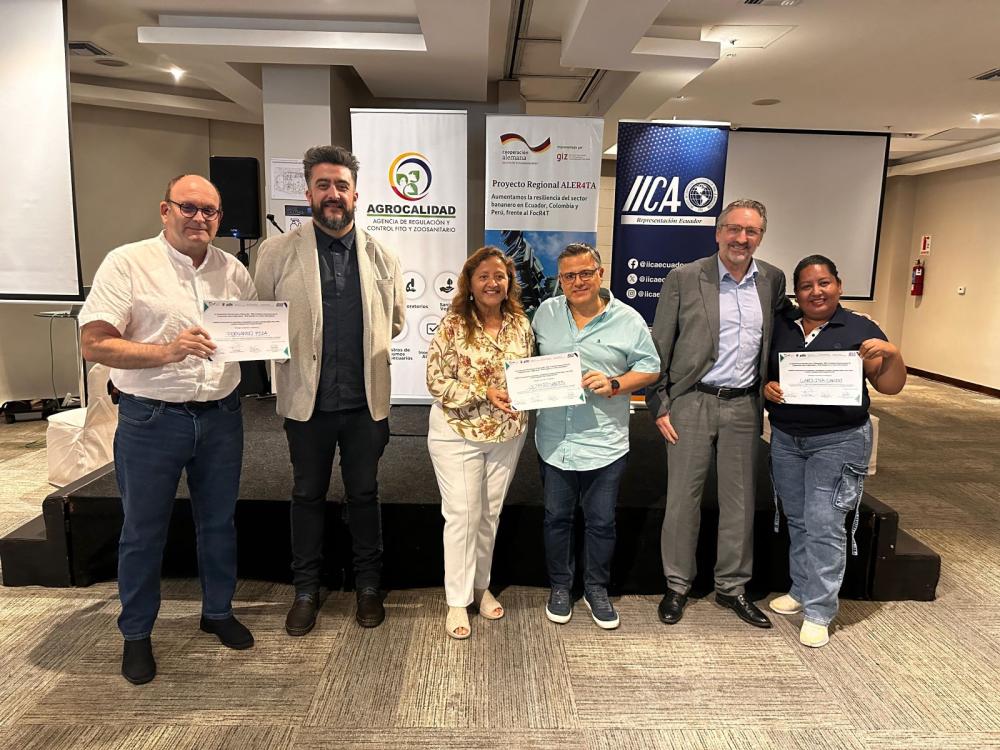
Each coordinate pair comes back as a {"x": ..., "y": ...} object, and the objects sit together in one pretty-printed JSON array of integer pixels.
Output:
[{"x": 247, "y": 330}]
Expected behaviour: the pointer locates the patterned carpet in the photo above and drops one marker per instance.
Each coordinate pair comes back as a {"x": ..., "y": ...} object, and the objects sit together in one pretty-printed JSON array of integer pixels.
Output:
[{"x": 895, "y": 675}]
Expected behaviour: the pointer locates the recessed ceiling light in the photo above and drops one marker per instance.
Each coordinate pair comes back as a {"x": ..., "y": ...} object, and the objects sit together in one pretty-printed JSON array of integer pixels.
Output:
[
  {"x": 979, "y": 117},
  {"x": 766, "y": 102},
  {"x": 177, "y": 73}
]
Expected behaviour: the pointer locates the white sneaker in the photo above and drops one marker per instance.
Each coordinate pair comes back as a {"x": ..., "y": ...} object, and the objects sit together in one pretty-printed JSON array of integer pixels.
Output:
[
  {"x": 813, "y": 635},
  {"x": 785, "y": 605}
]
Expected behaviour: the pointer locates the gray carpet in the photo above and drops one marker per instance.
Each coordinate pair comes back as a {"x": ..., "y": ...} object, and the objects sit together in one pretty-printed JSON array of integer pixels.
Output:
[{"x": 897, "y": 675}]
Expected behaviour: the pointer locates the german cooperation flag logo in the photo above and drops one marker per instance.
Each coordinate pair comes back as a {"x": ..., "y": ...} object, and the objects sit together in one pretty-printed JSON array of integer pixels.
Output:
[{"x": 507, "y": 138}]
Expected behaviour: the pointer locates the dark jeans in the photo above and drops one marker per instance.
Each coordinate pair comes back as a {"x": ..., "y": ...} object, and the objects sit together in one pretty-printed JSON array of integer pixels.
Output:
[
  {"x": 311, "y": 446},
  {"x": 597, "y": 493},
  {"x": 154, "y": 442}
]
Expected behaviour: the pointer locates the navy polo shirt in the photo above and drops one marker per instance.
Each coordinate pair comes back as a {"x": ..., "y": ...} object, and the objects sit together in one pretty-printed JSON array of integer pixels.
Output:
[
  {"x": 342, "y": 371},
  {"x": 843, "y": 332}
]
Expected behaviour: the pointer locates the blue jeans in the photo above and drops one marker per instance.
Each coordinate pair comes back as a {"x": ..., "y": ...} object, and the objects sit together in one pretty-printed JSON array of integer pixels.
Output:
[
  {"x": 819, "y": 480},
  {"x": 155, "y": 441},
  {"x": 597, "y": 493}
]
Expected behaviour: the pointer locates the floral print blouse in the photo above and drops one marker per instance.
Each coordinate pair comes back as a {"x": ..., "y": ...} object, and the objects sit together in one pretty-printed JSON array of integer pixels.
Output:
[{"x": 458, "y": 375}]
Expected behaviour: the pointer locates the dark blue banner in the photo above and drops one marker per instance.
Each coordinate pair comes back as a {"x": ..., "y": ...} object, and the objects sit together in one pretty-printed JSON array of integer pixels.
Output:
[{"x": 668, "y": 193}]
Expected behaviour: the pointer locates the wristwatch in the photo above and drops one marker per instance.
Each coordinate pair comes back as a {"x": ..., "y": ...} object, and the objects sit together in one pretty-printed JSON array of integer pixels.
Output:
[{"x": 615, "y": 386}]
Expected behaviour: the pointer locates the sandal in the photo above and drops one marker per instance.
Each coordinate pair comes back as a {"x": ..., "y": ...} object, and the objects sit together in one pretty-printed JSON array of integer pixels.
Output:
[
  {"x": 489, "y": 607},
  {"x": 458, "y": 619}
]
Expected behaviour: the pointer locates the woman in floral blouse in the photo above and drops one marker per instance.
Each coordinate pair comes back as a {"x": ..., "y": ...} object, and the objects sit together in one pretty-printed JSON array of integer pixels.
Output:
[{"x": 474, "y": 436}]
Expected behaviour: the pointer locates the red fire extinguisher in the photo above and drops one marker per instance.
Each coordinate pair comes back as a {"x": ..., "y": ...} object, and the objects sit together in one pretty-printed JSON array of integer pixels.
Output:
[{"x": 917, "y": 279}]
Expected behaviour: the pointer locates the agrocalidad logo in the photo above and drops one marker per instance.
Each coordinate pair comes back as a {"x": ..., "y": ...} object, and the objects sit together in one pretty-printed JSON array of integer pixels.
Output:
[{"x": 410, "y": 176}]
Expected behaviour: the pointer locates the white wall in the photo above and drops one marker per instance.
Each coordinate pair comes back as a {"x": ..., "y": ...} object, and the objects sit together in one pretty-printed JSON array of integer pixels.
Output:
[{"x": 122, "y": 160}]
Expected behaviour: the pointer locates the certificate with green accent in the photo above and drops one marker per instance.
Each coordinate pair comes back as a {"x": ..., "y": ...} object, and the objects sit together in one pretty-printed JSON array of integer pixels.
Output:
[
  {"x": 246, "y": 330},
  {"x": 544, "y": 382},
  {"x": 821, "y": 378}
]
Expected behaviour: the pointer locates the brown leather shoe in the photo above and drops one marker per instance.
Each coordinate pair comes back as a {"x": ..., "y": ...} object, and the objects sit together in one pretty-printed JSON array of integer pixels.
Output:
[
  {"x": 370, "y": 613},
  {"x": 302, "y": 616}
]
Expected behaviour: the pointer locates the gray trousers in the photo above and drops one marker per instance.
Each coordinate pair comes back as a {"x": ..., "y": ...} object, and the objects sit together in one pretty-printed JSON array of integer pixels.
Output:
[{"x": 724, "y": 430}]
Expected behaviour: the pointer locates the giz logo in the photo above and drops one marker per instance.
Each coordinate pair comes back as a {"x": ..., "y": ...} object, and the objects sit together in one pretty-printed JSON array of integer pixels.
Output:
[
  {"x": 410, "y": 176},
  {"x": 655, "y": 194}
]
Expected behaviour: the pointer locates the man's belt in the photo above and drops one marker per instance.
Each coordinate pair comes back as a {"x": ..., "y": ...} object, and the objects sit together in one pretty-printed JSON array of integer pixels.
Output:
[
  {"x": 721, "y": 391},
  {"x": 193, "y": 405}
]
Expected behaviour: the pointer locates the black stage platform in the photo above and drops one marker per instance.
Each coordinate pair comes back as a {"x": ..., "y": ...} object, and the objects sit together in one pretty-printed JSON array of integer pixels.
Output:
[{"x": 74, "y": 541}]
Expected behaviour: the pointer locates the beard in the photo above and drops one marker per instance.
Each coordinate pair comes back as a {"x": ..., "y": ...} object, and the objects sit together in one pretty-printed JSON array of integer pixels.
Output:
[{"x": 333, "y": 224}]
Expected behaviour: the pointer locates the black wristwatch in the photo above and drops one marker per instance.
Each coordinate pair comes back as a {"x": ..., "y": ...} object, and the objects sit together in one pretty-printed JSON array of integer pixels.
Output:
[{"x": 615, "y": 386}]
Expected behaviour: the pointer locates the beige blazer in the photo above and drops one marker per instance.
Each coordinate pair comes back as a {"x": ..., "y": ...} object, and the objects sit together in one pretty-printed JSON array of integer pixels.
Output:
[
  {"x": 686, "y": 326},
  {"x": 288, "y": 269}
]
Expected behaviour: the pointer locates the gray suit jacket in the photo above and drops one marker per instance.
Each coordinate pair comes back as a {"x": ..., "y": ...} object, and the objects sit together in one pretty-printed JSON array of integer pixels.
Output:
[
  {"x": 288, "y": 269},
  {"x": 686, "y": 326}
]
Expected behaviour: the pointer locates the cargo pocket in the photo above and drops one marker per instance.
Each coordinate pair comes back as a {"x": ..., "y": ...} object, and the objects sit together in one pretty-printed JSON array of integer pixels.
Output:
[{"x": 847, "y": 496}]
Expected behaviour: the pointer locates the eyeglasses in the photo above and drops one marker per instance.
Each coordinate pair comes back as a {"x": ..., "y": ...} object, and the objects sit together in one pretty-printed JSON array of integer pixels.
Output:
[
  {"x": 752, "y": 232},
  {"x": 582, "y": 275},
  {"x": 189, "y": 210}
]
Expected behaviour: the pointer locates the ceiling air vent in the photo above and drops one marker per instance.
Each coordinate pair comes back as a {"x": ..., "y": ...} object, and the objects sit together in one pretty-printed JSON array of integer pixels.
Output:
[
  {"x": 989, "y": 75},
  {"x": 778, "y": 3},
  {"x": 87, "y": 49}
]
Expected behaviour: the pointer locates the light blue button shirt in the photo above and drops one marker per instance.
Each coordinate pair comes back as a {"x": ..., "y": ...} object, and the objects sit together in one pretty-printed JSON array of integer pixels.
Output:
[
  {"x": 594, "y": 434},
  {"x": 741, "y": 330}
]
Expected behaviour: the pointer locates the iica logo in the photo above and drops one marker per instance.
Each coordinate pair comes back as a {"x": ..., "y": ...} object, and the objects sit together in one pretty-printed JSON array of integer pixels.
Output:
[
  {"x": 508, "y": 138},
  {"x": 410, "y": 176},
  {"x": 656, "y": 194}
]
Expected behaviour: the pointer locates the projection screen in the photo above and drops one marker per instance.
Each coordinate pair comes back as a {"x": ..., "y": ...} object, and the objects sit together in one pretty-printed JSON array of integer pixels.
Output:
[
  {"x": 39, "y": 255},
  {"x": 823, "y": 193}
]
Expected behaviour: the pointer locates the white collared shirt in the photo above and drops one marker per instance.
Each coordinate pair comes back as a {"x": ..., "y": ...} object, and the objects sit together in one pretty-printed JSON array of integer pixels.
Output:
[{"x": 151, "y": 292}]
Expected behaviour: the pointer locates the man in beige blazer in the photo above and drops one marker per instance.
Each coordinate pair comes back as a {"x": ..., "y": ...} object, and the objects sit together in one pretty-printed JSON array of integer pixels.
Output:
[{"x": 346, "y": 303}]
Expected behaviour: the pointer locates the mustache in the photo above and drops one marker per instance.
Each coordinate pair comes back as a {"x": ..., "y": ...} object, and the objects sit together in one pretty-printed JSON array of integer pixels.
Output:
[{"x": 333, "y": 202}]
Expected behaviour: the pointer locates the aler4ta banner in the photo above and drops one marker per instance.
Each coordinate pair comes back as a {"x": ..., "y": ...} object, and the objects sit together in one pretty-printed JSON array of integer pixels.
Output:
[
  {"x": 668, "y": 193},
  {"x": 412, "y": 189},
  {"x": 542, "y": 185}
]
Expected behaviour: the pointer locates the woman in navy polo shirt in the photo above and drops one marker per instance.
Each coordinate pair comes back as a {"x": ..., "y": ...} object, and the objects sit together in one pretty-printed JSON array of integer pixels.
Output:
[{"x": 819, "y": 454}]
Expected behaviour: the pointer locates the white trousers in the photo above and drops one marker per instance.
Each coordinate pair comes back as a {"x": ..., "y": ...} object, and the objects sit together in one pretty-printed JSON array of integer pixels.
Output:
[{"x": 473, "y": 478}]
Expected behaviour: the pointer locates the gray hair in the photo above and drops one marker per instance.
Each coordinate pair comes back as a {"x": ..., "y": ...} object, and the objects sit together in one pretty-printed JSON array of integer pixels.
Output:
[
  {"x": 336, "y": 155},
  {"x": 749, "y": 203},
  {"x": 578, "y": 248}
]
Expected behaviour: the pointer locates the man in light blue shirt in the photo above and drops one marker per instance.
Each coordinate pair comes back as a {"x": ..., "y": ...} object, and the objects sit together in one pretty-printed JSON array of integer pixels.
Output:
[
  {"x": 583, "y": 449},
  {"x": 712, "y": 330}
]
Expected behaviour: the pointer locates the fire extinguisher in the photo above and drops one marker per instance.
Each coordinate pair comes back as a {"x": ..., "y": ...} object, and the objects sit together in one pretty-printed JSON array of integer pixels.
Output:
[{"x": 917, "y": 279}]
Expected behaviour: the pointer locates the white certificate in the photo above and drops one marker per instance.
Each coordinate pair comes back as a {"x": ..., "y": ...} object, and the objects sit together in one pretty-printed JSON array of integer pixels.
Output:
[
  {"x": 821, "y": 378},
  {"x": 245, "y": 330},
  {"x": 544, "y": 382}
]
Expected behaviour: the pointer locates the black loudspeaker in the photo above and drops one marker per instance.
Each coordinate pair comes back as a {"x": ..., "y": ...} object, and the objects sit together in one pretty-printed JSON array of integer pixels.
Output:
[{"x": 238, "y": 181}]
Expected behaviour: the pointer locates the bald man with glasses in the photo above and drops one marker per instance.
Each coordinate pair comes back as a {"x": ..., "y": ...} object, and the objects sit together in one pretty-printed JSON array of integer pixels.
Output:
[
  {"x": 712, "y": 330},
  {"x": 178, "y": 410}
]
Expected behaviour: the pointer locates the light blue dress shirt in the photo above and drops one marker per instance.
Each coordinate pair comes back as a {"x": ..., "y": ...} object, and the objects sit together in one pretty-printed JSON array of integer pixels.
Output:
[
  {"x": 741, "y": 330},
  {"x": 594, "y": 434}
]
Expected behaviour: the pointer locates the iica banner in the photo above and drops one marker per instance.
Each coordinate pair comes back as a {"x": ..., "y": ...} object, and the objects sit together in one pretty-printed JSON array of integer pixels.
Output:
[
  {"x": 542, "y": 185},
  {"x": 668, "y": 196},
  {"x": 412, "y": 189}
]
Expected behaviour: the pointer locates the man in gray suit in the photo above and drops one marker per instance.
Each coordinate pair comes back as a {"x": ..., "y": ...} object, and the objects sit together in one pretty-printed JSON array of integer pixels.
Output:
[
  {"x": 713, "y": 330},
  {"x": 346, "y": 303}
]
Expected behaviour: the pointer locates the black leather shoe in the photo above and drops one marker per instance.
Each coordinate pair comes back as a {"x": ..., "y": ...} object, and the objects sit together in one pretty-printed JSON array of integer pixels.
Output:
[
  {"x": 302, "y": 616},
  {"x": 138, "y": 664},
  {"x": 230, "y": 631},
  {"x": 745, "y": 609},
  {"x": 671, "y": 607},
  {"x": 371, "y": 613}
]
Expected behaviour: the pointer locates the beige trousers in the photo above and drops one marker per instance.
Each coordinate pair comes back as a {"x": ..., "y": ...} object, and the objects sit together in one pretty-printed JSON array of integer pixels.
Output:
[{"x": 473, "y": 478}]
